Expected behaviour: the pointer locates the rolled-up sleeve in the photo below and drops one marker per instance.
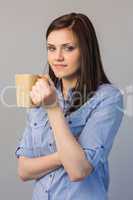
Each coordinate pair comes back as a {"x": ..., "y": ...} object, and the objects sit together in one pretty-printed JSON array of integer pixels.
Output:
[
  {"x": 24, "y": 147},
  {"x": 101, "y": 127}
]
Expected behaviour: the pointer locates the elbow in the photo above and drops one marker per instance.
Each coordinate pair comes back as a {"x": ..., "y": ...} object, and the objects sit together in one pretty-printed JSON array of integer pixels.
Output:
[
  {"x": 22, "y": 175},
  {"x": 22, "y": 172},
  {"x": 76, "y": 178},
  {"x": 23, "y": 178},
  {"x": 79, "y": 176}
]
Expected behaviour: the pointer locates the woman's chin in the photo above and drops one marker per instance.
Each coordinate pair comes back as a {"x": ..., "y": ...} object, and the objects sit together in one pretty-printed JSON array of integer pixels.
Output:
[{"x": 60, "y": 75}]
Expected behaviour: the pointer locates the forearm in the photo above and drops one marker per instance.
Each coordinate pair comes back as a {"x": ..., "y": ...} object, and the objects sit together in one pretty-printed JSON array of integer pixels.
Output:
[
  {"x": 70, "y": 152},
  {"x": 34, "y": 168}
]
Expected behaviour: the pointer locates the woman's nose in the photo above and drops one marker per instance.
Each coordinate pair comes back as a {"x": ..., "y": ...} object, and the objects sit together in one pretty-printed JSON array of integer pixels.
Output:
[{"x": 59, "y": 55}]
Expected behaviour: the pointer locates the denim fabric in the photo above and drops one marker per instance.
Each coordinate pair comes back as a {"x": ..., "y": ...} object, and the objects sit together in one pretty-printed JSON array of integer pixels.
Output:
[{"x": 94, "y": 125}]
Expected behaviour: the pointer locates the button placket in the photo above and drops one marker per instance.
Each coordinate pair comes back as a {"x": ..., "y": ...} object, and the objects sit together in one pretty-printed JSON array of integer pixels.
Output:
[
  {"x": 50, "y": 146},
  {"x": 35, "y": 124},
  {"x": 65, "y": 115},
  {"x": 51, "y": 176},
  {"x": 51, "y": 142},
  {"x": 70, "y": 121}
]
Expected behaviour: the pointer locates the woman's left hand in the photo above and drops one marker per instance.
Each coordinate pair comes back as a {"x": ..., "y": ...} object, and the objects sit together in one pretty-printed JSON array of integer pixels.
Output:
[{"x": 44, "y": 92}]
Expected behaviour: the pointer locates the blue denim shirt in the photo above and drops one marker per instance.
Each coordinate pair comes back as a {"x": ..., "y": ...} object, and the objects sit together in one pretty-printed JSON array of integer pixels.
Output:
[{"x": 94, "y": 125}]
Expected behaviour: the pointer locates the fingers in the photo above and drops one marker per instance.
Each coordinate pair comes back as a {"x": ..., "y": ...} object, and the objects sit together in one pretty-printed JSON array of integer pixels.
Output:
[
  {"x": 47, "y": 78},
  {"x": 35, "y": 97},
  {"x": 42, "y": 88},
  {"x": 38, "y": 91}
]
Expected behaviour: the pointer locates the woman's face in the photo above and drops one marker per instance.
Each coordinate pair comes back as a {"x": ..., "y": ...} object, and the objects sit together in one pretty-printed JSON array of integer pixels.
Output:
[{"x": 63, "y": 53}]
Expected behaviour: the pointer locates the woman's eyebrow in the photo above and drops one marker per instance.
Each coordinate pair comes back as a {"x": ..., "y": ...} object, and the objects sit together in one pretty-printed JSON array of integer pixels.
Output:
[{"x": 65, "y": 44}]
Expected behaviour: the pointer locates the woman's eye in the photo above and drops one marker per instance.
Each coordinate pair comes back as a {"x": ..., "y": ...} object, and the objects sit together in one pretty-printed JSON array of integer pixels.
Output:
[
  {"x": 50, "y": 48},
  {"x": 69, "y": 48},
  {"x": 66, "y": 48}
]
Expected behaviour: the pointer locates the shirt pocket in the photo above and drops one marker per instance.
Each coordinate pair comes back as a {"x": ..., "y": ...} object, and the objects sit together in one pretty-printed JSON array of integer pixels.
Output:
[
  {"x": 40, "y": 136},
  {"x": 76, "y": 124}
]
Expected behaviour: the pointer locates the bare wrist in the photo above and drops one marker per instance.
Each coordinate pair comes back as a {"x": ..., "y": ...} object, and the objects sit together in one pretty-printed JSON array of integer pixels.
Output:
[{"x": 52, "y": 107}]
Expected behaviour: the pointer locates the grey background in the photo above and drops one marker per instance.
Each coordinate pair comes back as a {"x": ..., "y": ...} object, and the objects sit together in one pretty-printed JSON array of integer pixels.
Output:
[{"x": 22, "y": 49}]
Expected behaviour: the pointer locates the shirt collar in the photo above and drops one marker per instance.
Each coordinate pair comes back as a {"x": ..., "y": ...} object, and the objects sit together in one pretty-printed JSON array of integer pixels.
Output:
[{"x": 70, "y": 91}]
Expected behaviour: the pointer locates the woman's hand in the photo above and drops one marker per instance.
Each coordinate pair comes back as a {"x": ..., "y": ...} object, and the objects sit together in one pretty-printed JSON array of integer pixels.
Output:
[{"x": 44, "y": 92}]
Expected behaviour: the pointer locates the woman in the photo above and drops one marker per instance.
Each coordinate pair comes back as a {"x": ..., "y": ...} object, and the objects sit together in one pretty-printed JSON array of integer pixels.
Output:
[{"x": 69, "y": 135}]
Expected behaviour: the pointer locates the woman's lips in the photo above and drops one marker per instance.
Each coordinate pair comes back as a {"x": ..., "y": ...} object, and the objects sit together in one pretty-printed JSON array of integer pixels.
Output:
[{"x": 60, "y": 66}]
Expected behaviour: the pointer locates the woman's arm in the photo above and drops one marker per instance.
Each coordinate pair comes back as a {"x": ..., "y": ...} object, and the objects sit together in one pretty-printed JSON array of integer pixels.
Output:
[
  {"x": 70, "y": 152},
  {"x": 34, "y": 168}
]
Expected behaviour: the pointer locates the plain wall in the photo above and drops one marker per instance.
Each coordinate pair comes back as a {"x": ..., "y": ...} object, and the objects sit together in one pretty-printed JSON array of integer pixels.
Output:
[{"x": 22, "y": 50}]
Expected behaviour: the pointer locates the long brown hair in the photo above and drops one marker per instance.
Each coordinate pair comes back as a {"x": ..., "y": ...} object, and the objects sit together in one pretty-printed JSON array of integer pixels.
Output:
[{"x": 91, "y": 73}]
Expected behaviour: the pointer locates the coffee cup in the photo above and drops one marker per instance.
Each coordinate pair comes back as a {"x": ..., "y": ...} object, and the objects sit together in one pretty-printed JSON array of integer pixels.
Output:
[{"x": 24, "y": 83}]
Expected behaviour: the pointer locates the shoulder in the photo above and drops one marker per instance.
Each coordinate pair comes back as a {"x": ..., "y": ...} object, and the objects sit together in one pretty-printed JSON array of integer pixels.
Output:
[
  {"x": 105, "y": 105},
  {"x": 106, "y": 98},
  {"x": 106, "y": 94}
]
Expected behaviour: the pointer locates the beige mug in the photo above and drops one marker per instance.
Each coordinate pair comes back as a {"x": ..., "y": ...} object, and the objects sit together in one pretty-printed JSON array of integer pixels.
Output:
[{"x": 24, "y": 83}]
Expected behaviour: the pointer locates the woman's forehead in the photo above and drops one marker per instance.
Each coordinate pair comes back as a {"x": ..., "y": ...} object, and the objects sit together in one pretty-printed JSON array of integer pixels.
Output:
[{"x": 61, "y": 37}]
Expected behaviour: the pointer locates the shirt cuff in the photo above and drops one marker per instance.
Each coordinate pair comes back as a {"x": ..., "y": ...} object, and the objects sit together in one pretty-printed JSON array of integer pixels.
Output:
[
  {"x": 20, "y": 151},
  {"x": 94, "y": 155}
]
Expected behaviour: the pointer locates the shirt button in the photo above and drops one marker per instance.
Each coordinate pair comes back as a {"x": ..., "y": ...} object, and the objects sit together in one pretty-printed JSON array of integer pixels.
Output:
[
  {"x": 70, "y": 122},
  {"x": 35, "y": 124},
  {"x": 50, "y": 144},
  {"x": 50, "y": 127},
  {"x": 50, "y": 175},
  {"x": 46, "y": 191}
]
